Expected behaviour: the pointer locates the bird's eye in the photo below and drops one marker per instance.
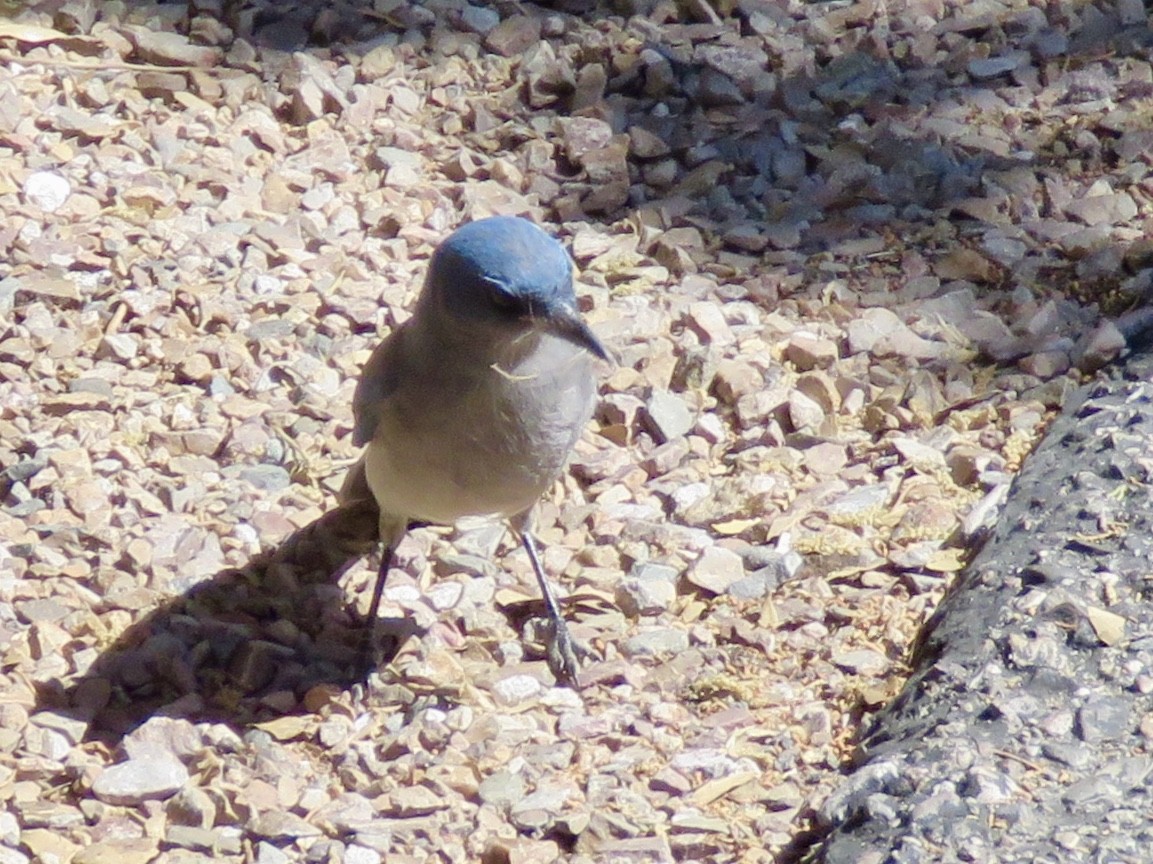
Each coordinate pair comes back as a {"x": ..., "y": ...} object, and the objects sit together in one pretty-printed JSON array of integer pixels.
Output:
[{"x": 501, "y": 299}]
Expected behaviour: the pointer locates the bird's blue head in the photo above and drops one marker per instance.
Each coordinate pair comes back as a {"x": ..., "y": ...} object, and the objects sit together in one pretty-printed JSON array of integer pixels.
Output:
[{"x": 505, "y": 273}]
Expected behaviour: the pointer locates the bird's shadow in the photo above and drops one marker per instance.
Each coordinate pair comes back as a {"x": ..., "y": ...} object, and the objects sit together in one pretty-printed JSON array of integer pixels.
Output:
[{"x": 244, "y": 646}]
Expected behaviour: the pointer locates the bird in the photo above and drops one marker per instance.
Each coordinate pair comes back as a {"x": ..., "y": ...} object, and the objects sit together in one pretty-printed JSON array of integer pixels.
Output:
[{"x": 472, "y": 406}]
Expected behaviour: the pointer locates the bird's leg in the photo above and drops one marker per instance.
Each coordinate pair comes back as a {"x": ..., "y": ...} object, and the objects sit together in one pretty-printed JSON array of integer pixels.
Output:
[
  {"x": 562, "y": 655},
  {"x": 367, "y": 651}
]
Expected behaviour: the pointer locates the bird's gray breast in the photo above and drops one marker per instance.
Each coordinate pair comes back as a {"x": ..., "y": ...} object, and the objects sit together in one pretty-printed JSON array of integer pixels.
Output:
[{"x": 483, "y": 438}]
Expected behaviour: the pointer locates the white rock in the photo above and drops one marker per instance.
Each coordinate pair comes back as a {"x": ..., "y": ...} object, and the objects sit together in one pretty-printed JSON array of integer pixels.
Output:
[
  {"x": 717, "y": 569},
  {"x": 139, "y": 780},
  {"x": 804, "y": 412},
  {"x": 645, "y": 596},
  {"x": 266, "y": 853},
  {"x": 47, "y": 190},
  {"x": 361, "y": 855},
  {"x": 516, "y": 689}
]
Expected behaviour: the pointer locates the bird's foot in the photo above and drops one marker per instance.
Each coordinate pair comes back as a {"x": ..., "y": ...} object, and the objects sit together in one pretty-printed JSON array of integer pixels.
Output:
[
  {"x": 374, "y": 654},
  {"x": 563, "y": 652}
]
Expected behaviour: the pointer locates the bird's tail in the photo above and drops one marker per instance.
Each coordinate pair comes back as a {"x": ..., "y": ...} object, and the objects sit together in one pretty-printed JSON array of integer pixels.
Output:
[{"x": 355, "y": 487}]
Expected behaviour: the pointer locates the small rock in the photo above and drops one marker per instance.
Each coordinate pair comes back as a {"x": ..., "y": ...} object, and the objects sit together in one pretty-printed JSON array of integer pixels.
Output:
[
  {"x": 760, "y": 583},
  {"x": 1045, "y": 364},
  {"x": 139, "y": 780},
  {"x": 521, "y": 851},
  {"x": 645, "y": 145},
  {"x": 807, "y": 352},
  {"x": 608, "y": 173},
  {"x": 880, "y": 332},
  {"x": 516, "y": 689},
  {"x": 479, "y": 19},
  {"x": 279, "y": 826},
  {"x": 120, "y": 346},
  {"x": 667, "y": 416},
  {"x": 191, "y": 806},
  {"x": 1105, "y": 718},
  {"x": 551, "y": 799},
  {"x": 717, "y": 569},
  {"x": 165, "y": 48},
  {"x": 195, "y": 838},
  {"x": 748, "y": 237},
  {"x": 988, "y": 786},
  {"x": 693, "y": 820},
  {"x": 269, "y": 478},
  {"x": 921, "y": 456},
  {"x": 1111, "y": 209},
  {"x": 361, "y": 855},
  {"x": 736, "y": 378},
  {"x": 412, "y": 801},
  {"x": 990, "y": 67},
  {"x": 661, "y": 642},
  {"x": 1099, "y": 347},
  {"x": 860, "y": 662},
  {"x": 514, "y": 35},
  {"x": 266, "y": 853},
  {"x": 708, "y": 322},
  {"x": 590, "y": 88},
  {"x": 647, "y": 590},
  {"x": 502, "y": 789},
  {"x": 804, "y": 413},
  {"x": 584, "y": 135},
  {"x": 47, "y": 190},
  {"x": 118, "y": 851}
]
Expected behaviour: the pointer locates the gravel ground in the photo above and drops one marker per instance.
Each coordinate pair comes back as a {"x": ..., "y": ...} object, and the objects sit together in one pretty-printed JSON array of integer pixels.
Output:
[{"x": 852, "y": 258}]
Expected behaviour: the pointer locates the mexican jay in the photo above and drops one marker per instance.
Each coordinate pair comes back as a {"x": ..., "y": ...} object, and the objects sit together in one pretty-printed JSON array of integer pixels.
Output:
[{"x": 472, "y": 405}]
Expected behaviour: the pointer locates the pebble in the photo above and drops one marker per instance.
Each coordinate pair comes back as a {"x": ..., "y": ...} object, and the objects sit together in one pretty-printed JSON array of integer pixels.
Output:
[
  {"x": 516, "y": 689},
  {"x": 1101, "y": 345},
  {"x": 647, "y": 590},
  {"x": 708, "y": 321},
  {"x": 270, "y": 478},
  {"x": 47, "y": 190},
  {"x": 1104, "y": 719},
  {"x": 139, "y": 780},
  {"x": 266, "y": 853},
  {"x": 807, "y": 352},
  {"x": 1109, "y": 209},
  {"x": 514, "y": 35},
  {"x": 502, "y": 789},
  {"x": 805, "y": 414},
  {"x": 667, "y": 416},
  {"x": 659, "y": 642},
  {"x": 735, "y": 379},
  {"x": 361, "y": 855},
  {"x": 479, "y": 19},
  {"x": 991, "y": 67},
  {"x": 716, "y": 570},
  {"x": 282, "y": 827}
]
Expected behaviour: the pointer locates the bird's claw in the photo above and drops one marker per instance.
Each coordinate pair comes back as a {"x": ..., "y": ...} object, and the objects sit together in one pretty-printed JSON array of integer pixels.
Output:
[{"x": 562, "y": 654}]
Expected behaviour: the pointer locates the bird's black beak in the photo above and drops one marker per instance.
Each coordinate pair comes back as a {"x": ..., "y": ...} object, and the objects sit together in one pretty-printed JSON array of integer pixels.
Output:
[{"x": 566, "y": 322}]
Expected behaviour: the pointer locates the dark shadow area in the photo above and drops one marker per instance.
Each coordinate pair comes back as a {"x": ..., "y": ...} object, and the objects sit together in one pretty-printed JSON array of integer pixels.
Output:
[
  {"x": 247, "y": 645},
  {"x": 768, "y": 162},
  {"x": 771, "y": 161},
  {"x": 243, "y": 646}
]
